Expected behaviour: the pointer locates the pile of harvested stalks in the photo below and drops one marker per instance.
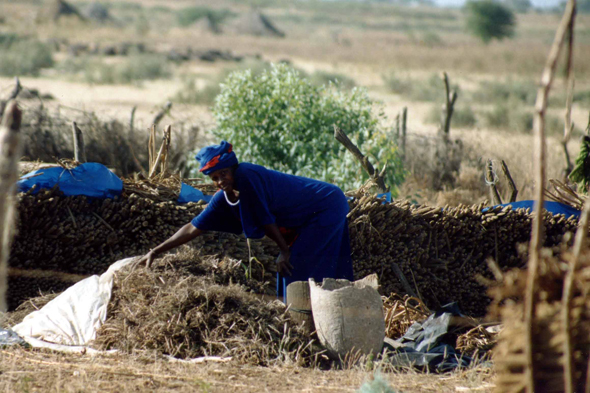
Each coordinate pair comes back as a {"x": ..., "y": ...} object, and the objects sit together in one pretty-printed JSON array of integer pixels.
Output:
[
  {"x": 548, "y": 327},
  {"x": 176, "y": 313},
  {"x": 436, "y": 254},
  {"x": 401, "y": 312}
]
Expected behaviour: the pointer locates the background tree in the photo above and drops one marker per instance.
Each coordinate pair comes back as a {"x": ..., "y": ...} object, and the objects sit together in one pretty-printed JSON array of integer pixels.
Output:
[
  {"x": 489, "y": 20},
  {"x": 522, "y": 6},
  {"x": 280, "y": 120}
]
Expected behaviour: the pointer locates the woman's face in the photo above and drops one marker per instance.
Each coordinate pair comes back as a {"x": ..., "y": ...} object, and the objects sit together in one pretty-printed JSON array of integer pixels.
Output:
[{"x": 224, "y": 179}]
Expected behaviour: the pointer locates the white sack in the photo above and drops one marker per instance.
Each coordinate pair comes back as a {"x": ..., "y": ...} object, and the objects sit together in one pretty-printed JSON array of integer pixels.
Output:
[
  {"x": 348, "y": 316},
  {"x": 74, "y": 316}
]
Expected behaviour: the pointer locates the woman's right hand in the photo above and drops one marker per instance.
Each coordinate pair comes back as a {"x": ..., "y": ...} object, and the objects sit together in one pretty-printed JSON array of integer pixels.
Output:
[{"x": 147, "y": 259}]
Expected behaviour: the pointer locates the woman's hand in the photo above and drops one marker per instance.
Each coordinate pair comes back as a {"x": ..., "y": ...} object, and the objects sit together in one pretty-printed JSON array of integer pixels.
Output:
[
  {"x": 147, "y": 259},
  {"x": 284, "y": 267}
]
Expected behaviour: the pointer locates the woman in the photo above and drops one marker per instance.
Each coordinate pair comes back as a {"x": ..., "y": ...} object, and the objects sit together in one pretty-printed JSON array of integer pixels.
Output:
[{"x": 305, "y": 217}]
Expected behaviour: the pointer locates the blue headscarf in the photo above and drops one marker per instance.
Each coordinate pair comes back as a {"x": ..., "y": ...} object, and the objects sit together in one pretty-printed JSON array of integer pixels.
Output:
[{"x": 216, "y": 157}]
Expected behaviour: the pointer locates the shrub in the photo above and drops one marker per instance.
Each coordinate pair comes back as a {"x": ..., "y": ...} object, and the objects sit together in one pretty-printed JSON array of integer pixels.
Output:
[
  {"x": 430, "y": 89},
  {"x": 134, "y": 69},
  {"x": 188, "y": 16},
  {"x": 489, "y": 92},
  {"x": 489, "y": 20},
  {"x": 463, "y": 117},
  {"x": 24, "y": 58},
  {"x": 325, "y": 78},
  {"x": 504, "y": 116},
  {"x": 281, "y": 120}
]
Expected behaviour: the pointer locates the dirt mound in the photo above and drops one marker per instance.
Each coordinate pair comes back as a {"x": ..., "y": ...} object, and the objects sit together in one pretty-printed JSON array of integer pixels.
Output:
[
  {"x": 255, "y": 23},
  {"x": 173, "y": 312}
]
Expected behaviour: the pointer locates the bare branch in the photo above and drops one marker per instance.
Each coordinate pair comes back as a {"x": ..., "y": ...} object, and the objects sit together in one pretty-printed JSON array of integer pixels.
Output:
[
  {"x": 491, "y": 181},
  {"x": 511, "y": 184},
  {"x": 79, "y": 150},
  {"x": 537, "y": 230},
  {"x": 364, "y": 161},
  {"x": 10, "y": 151}
]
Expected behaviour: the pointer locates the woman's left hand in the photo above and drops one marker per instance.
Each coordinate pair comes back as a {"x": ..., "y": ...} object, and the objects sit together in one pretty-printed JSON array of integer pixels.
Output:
[{"x": 284, "y": 267}]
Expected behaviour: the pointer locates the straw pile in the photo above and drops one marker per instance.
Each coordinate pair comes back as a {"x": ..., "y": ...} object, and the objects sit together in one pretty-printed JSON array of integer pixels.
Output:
[
  {"x": 401, "y": 313},
  {"x": 172, "y": 311},
  {"x": 440, "y": 252},
  {"x": 548, "y": 329}
]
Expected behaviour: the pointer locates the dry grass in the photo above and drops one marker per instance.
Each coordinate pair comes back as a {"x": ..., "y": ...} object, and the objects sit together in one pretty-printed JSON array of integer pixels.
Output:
[{"x": 40, "y": 371}]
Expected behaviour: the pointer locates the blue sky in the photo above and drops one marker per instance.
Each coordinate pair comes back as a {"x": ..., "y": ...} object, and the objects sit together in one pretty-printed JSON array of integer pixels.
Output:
[{"x": 536, "y": 3}]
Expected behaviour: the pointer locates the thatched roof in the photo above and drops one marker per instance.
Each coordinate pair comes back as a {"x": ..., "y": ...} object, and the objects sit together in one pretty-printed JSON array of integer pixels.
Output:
[{"x": 255, "y": 23}]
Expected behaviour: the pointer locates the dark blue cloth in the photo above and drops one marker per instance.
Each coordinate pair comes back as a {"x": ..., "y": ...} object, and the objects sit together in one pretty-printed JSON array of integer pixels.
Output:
[
  {"x": 315, "y": 210},
  {"x": 551, "y": 206},
  {"x": 90, "y": 179},
  {"x": 216, "y": 157}
]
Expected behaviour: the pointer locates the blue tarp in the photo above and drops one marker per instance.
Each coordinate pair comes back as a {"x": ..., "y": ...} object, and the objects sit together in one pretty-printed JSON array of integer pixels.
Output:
[
  {"x": 190, "y": 194},
  {"x": 90, "y": 179},
  {"x": 550, "y": 206}
]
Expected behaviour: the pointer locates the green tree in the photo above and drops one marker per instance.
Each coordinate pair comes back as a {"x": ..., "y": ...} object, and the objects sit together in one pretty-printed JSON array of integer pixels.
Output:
[
  {"x": 489, "y": 20},
  {"x": 522, "y": 6},
  {"x": 280, "y": 120}
]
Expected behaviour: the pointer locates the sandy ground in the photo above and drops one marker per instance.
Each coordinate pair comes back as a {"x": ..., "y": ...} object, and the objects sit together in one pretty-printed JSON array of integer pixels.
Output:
[{"x": 41, "y": 371}]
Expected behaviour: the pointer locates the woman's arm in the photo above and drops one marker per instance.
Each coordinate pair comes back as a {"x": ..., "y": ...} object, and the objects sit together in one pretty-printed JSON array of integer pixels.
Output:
[
  {"x": 283, "y": 265},
  {"x": 184, "y": 235}
]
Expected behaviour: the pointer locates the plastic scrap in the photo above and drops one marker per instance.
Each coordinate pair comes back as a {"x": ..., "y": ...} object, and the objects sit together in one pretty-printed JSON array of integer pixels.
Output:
[
  {"x": 191, "y": 194},
  {"x": 73, "y": 317},
  {"x": 430, "y": 344},
  {"x": 90, "y": 179},
  {"x": 10, "y": 338}
]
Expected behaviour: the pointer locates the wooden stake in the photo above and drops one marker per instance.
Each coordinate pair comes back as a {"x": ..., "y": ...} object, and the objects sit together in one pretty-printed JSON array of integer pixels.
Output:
[
  {"x": 537, "y": 230},
  {"x": 364, "y": 161},
  {"x": 491, "y": 181},
  {"x": 12, "y": 96},
  {"x": 568, "y": 350},
  {"x": 79, "y": 150},
  {"x": 450, "y": 98},
  {"x": 10, "y": 151},
  {"x": 513, "y": 189},
  {"x": 403, "y": 130}
]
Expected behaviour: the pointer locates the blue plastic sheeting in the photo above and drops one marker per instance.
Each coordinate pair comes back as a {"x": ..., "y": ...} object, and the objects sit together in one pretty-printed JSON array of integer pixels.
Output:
[
  {"x": 550, "y": 206},
  {"x": 386, "y": 195},
  {"x": 191, "y": 194},
  {"x": 90, "y": 179}
]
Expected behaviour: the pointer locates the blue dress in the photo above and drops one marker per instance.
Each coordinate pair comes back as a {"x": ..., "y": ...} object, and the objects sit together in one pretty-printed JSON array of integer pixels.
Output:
[{"x": 311, "y": 214}]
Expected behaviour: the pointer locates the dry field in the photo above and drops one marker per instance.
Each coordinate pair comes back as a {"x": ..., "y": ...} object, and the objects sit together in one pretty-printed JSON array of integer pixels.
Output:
[{"x": 39, "y": 371}]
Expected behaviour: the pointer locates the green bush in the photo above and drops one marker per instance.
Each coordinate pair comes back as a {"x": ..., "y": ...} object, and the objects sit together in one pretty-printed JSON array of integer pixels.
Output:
[
  {"x": 325, "y": 78},
  {"x": 188, "y": 16},
  {"x": 134, "y": 69},
  {"x": 280, "y": 120},
  {"x": 463, "y": 116},
  {"x": 490, "y": 92},
  {"x": 489, "y": 20},
  {"x": 431, "y": 89},
  {"x": 24, "y": 58},
  {"x": 509, "y": 117}
]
